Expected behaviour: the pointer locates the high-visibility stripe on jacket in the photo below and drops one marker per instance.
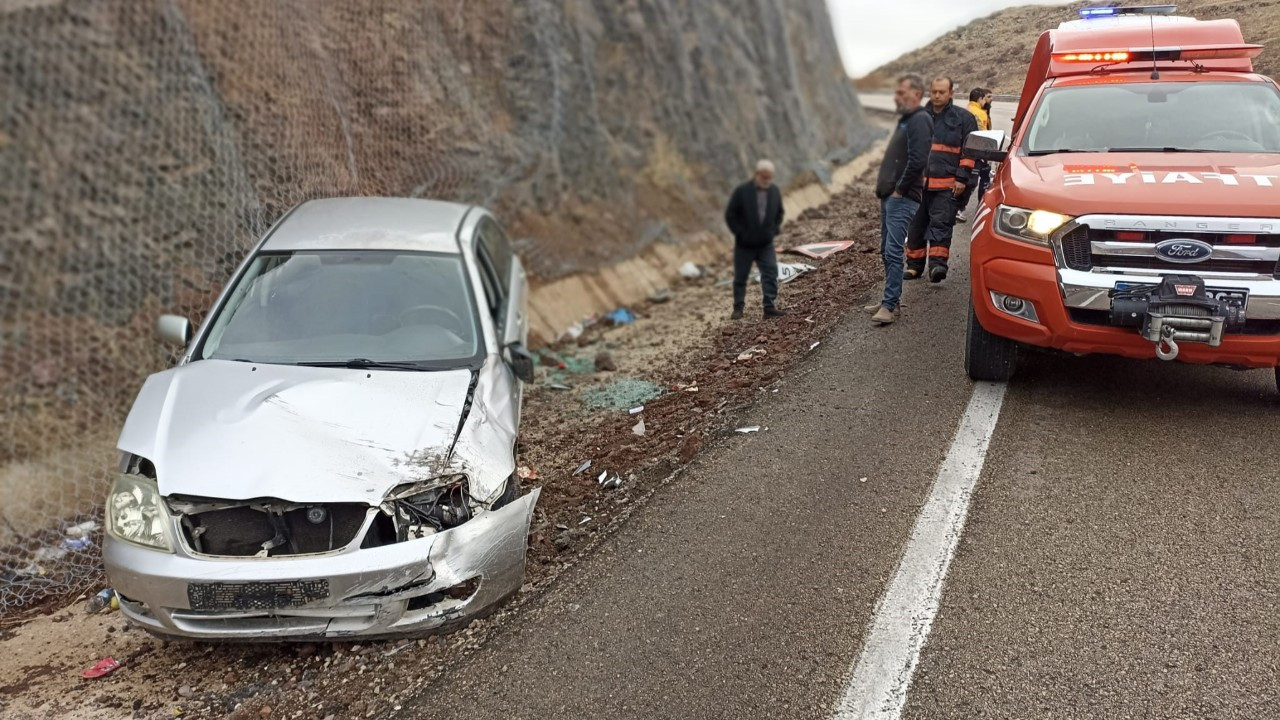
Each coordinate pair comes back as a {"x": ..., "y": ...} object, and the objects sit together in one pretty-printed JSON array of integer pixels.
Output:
[
  {"x": 983, "y": 118},
  {"x": 951, "y": 126}
]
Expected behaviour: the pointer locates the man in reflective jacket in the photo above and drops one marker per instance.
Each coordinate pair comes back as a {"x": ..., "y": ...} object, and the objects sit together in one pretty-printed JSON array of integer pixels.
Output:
[
  {"x": 980, "y": 106},
  {"x": 948, "y": 181}
]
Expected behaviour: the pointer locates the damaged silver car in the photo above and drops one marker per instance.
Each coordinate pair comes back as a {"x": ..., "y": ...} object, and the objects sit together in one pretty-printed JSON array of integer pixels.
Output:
[{"x": 334, "y": 455}]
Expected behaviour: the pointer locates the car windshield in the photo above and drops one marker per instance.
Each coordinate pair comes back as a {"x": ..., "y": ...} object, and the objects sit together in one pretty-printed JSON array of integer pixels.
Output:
[
  {"x": 338, "y": 307},
  {"x": 1236, "y": 117}
]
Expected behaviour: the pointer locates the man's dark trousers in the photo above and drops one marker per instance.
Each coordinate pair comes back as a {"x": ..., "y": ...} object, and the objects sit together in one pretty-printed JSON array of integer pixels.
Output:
[
  {"x": 767, "y": 260},
  {"x": 929, "y": 237}
]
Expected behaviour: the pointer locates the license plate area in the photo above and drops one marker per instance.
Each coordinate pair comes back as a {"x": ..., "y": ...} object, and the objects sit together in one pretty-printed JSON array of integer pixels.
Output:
[{"x": 275, "y": 595}]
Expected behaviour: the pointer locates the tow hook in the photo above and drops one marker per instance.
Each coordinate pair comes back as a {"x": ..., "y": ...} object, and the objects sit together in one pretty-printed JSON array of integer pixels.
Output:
[{"x": 1166, "y": 341}]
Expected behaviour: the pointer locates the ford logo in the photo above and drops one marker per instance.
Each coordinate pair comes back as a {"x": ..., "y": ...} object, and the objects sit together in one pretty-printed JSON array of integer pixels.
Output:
[{"x": 1184, "y": 251}]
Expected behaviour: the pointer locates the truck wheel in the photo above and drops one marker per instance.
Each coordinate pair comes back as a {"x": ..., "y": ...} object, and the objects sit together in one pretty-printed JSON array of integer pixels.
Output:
[{"x": 986, "y": 356}]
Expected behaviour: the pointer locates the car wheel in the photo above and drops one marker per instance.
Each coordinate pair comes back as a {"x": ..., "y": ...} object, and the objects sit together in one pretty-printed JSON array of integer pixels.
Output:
[
  {"x": 511, "y": 493},
  {"x": 986, "y": 356}
]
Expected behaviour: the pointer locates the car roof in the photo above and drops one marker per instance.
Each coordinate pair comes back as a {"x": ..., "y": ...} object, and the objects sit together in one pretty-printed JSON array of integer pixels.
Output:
[{"x": 370, "y": 223}]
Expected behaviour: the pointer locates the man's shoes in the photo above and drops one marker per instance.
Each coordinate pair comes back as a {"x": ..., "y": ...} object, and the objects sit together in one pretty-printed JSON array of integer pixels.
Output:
[
  {"x": 961, "y": 218},
  {"x": 937, "y": 274},
  {"x": 884, "y": 316},
  {"x": 773, "y": 312},
  {"x": 911, "y": 274},
  {"x": 737, "y": 313},
  {"x": 872, "y": 308}
]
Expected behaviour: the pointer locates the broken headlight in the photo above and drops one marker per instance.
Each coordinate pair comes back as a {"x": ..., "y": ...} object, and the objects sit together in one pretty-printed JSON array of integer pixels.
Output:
[
  {"x": 422, "y": 509},
  {"x": 135, "y": 513}
]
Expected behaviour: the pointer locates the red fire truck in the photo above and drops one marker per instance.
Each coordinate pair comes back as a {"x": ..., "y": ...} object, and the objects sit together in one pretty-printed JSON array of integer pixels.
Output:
[{"x": 1136, "y": 209}]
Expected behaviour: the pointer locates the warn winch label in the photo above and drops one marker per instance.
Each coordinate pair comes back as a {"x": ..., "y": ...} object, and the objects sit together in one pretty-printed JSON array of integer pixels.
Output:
[{"x": 1148, "y": 177}]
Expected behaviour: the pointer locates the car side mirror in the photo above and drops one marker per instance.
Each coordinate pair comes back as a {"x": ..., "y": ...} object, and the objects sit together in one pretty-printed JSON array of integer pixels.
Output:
[
  {"x": 521, "y": 361},
  {"x": 986, "y": 145},
  {"x": 174, "y": 329}
]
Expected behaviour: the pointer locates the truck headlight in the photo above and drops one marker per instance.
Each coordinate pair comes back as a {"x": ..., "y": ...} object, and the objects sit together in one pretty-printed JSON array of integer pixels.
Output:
[
  {"x": 1033, "y": 226},
  {"x": 135, "y": 513}
]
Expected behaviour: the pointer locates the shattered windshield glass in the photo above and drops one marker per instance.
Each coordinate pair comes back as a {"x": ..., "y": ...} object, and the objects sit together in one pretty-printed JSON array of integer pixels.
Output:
[
  {"x": 336, "y": 307},
  {"x": 1236, "y": 117}
]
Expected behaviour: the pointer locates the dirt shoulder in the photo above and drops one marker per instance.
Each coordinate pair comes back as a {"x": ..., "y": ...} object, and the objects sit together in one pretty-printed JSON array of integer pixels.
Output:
[{"x": 707, "y": 370}]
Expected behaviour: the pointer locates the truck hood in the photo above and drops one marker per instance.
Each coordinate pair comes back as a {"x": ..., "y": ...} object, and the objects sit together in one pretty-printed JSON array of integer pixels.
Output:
[
  {"x": 239, "y": 431},
  {"x": 1190, "y": 184}
]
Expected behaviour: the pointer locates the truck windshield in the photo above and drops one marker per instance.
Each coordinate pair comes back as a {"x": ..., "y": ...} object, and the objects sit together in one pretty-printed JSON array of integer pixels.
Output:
[
  {"x": 1237, "y": 117},
  {"x": 366, "y": 308}
]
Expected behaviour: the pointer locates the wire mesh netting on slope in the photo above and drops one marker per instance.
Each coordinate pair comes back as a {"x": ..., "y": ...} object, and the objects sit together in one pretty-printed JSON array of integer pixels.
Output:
[{"x": 145, "y": 145}]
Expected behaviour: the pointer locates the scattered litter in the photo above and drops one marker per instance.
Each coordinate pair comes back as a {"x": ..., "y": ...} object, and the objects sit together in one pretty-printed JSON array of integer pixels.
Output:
[
  {"x": 621, "y": 316},
  {"x": 636, "y": 410},
  {"x": 746, "y": 355},
  {"x": 613, "y": 482},
  {"x": 79, "y": 543},
  {"x": 749, "y": 429},
  {"x": 685, "y": 387},
  {"x": 574, "y": 331},
  {"x": 527, "y": 473},
  {"x": 603, "y": 475},
  {"x": 584, "y": 521},
  {"x": 103, "y": 600},
  {"x": 809, "y": 320},
  {"x": 690, "y": 270},
  {"x": 638, "y": 429},
  {"x": 815, "y": 345},
  {"x": 103, "y": 668},
  {"x": 620, "y": 395},
  {"x": 819, "y": 251},
  {"x": 786, "y": 272},
  {"x": 583, "y": 468},
  {"x": 604, "y": 362},
  {"x": 559, "y": 386},
  {"x": 50, "y": 554},
  {"x": 83, "y": 529},
  {"x": 561, "y": 526},
  {"x": 663, "y": 295},
  {"x": 862, "y": 479}
]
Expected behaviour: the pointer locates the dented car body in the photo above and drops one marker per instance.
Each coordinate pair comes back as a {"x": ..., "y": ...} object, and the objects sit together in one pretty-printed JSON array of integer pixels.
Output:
[{"x": 335, "y": 453}]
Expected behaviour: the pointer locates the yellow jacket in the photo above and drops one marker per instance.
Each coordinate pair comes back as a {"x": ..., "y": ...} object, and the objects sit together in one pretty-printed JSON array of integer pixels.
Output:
[{"x": 984, "y": 120}]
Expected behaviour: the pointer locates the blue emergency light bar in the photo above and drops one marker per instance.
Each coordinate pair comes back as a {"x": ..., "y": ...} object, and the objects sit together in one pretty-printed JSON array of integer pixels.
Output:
[{"x": 1101, "y": 12}]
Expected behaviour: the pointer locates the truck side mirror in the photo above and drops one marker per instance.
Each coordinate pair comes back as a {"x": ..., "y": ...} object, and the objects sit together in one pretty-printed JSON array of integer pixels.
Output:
[
  {"x": 174, "y": 329},
  {"x": 521, "y": 361},
  {"x": 986, "y": 145}
]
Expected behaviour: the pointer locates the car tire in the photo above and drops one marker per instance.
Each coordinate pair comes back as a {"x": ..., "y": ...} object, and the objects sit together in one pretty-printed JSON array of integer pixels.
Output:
[
  {"x": 510, "y": 494},
  {"x": 986, "y": 356}
]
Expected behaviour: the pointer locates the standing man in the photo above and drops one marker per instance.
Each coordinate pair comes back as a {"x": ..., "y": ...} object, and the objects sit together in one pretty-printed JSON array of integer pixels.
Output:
[
  {"x": 754, "y": 216},
  {"x": 949, "y": 178},
  {"x": 980, "y": 106},
  {"x": 900, "y": 188}
]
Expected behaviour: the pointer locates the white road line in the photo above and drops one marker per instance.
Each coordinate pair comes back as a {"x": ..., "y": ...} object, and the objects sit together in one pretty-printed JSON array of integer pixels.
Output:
[{"x": 878, "y": 682}]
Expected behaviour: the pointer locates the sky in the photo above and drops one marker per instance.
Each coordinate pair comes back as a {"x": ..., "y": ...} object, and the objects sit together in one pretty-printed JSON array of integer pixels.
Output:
[{"x": 873, "y": 32}]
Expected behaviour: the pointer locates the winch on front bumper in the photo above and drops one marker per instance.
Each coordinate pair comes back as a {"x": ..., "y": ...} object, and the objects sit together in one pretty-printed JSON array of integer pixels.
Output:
[{"x": 1179, "y": 309}]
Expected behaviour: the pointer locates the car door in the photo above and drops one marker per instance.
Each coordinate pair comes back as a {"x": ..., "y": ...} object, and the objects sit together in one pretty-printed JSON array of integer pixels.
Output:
[
  {"x": 497, "y": 266},
  {"x": 510, "y": 273}
]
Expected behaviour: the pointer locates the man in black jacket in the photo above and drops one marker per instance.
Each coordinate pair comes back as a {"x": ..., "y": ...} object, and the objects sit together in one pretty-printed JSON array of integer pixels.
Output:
[
  {"x": 754, "y": 216},
  {"x": 900, "y": 188},
  {"x": 949, "y": 179}
]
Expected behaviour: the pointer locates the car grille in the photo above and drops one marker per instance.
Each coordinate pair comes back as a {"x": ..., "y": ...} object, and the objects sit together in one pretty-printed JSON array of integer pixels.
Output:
[
  {"x": 1077, "y": 254},
  {"x": 243, "y": 530}
]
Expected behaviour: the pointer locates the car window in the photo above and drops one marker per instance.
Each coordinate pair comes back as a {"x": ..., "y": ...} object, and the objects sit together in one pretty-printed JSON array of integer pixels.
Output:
[
  {"x": 498, "y": 248},
  {"x": 334, "y": 306},
  {"x": 495, "y": 291},
  {"x": 1204, "y": 116}
]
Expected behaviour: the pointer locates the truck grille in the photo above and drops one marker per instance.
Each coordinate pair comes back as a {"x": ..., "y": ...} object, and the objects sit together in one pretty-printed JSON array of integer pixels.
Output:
[{"x": 1078, "y": 254}]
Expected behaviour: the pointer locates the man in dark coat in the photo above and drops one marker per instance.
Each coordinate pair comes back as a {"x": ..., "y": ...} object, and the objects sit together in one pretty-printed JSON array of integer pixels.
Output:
[
  {"x": 754, "y": 216},
  {"x": 900, "y": 188}
]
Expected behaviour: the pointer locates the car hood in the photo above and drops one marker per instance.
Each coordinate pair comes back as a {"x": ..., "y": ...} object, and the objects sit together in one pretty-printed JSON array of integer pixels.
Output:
[
  {"x": 1190, "y": 184},
  {"x": 233, "y": 430}
]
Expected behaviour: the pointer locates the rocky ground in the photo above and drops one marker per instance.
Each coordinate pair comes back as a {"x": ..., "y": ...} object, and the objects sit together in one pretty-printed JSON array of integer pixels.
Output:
[{"x": 682, "y": 346}]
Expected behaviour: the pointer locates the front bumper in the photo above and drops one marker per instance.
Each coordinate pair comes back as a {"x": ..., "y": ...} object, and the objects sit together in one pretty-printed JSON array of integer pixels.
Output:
[
  {"x": 393, "y": 590},
  {"x": 1062, "y": 298}
]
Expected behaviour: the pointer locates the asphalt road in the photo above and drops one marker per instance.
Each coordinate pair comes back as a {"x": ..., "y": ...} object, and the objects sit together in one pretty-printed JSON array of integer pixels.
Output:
[{"x": 1119, "y": 557}]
